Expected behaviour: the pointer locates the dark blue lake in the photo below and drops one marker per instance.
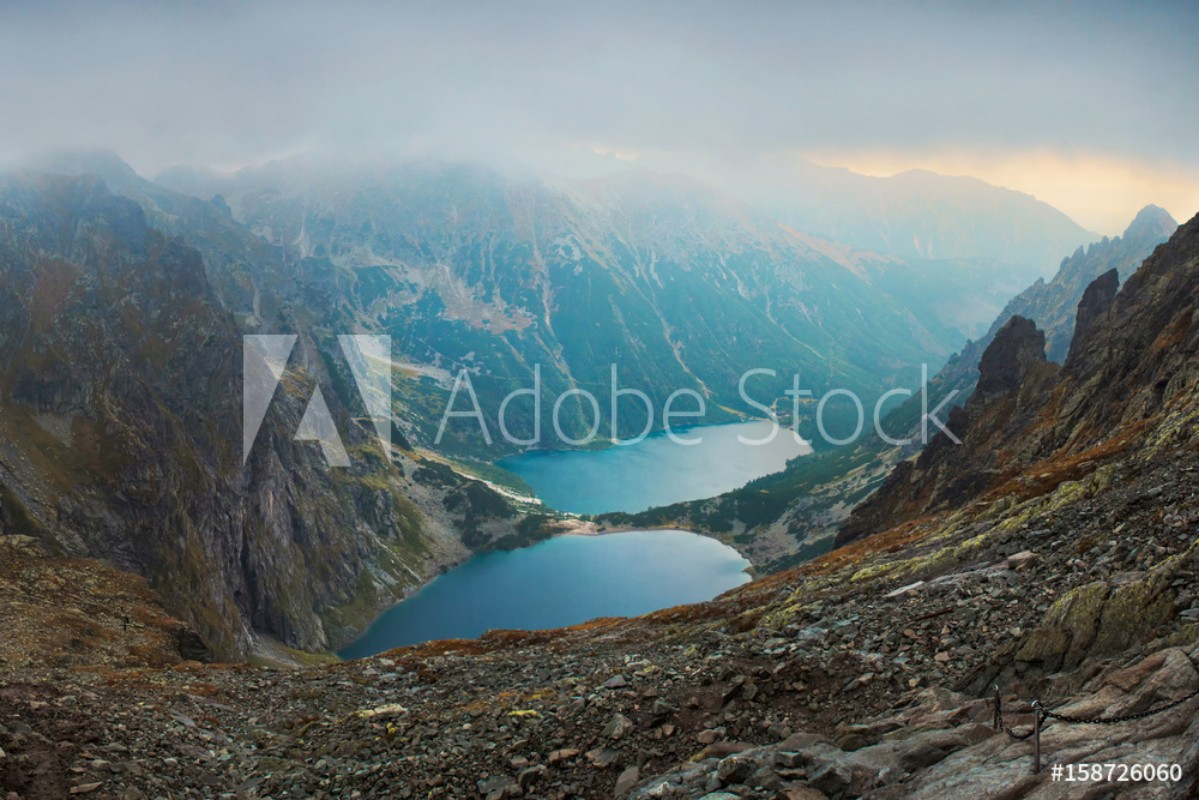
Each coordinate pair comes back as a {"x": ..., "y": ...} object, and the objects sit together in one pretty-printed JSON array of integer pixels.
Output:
[
  {"x": 563, "y": 581},
  {"x": 656, "y": 471}
]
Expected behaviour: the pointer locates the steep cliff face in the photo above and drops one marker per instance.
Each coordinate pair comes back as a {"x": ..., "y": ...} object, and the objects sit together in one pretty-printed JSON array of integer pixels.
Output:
[
  {"x": 1013, "y": 377},
  {"x": 1015, "y": 351},
  {"x": 1136, "y": 362},
  {"x": 1053, "y": 305},
  {"x": 1125, "y": 387},
  {"x": 1096, "y": 300},
  {"x": 121, "y": 410}
]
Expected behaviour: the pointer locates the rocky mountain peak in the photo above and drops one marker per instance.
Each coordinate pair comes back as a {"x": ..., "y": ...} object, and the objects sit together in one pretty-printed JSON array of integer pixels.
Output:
[
  {"x": 1096, "y": 300},
  {"x": 1018, "y": 346},
  {"x": 1151, "y": 223},
  {"x": 74, "y": 215},
  {"x": 103, "y": 164}
]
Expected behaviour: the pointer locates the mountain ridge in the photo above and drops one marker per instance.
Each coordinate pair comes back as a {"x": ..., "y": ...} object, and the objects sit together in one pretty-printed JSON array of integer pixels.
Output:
[
  {"x": 650, "y": 267},
  {"x": 1068, "y": 577},
  {"x": 1129, "y": 339},
  {"x": 921, "y": 214}
]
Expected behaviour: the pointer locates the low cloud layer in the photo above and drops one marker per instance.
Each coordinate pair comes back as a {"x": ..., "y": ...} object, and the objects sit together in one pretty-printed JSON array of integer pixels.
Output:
[{"x": 224, "y": 85}]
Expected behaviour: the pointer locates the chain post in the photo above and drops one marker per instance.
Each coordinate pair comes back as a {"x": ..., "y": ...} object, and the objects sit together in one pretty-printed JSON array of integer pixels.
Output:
[
  {"x": 1041, "y": 715},
  {"x": 998, "y": 719},
  {"x": 1036, "y": 737}
]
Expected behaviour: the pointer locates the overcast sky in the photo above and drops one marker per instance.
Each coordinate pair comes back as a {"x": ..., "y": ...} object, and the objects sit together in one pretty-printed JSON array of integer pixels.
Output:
[{"x": 1091, "y": 106}]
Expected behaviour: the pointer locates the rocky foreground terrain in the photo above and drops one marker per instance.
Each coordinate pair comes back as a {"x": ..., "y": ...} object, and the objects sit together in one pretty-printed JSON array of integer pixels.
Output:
[{"x": 865, "y": 673}]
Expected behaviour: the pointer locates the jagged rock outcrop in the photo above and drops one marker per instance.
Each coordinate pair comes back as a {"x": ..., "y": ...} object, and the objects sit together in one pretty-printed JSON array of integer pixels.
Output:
[
  {"x": 1053, "y": 304},
  {"x": 1015, "y": 351},
  {"x": 1013, "y": 378},
  {"x": 1095, "y": 302},
  {"x": 1127, "y": 376}
]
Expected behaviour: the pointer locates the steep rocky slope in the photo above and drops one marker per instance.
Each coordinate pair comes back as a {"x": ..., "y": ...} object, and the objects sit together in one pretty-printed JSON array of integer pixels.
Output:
[
  {"x": 1059, "y": 564},
  {"x": 1052, "y": 304},
  {"x": 121, "y": 417},
  {"x": 864, "y": 673},
  {"x": 783, "y": 519},
  {"x": 1129, "y": 370},
  {"x": 677, "y": 284}
]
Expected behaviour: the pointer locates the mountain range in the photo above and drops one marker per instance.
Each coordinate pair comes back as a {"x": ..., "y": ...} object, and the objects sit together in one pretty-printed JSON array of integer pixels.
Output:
[
  {"x": 130, "y": 298},
  {"x": 1052, "y": 304},
  {"x": 1046, "y": 564},
  {"x": 680, "y": 285},
  {"x": 1031, "y": 424},
  {"x": 919, "y": 214}
]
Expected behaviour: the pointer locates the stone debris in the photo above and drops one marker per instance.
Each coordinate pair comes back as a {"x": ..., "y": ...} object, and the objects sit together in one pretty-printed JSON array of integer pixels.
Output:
[{"x": 806, "y": 685}]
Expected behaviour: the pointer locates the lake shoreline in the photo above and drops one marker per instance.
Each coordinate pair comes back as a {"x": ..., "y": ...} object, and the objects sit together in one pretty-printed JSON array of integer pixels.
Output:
[
  {"x": 578, "y": 575},
  {"x": 741, "y": 463},
  {"x": 658, "y": 471}
]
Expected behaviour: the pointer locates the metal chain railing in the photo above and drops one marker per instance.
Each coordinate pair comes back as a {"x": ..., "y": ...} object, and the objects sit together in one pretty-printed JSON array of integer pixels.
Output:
[
  {"x": 1041, "y": 714},
  {"x": 1126, "y": 717},
  {"x": 1000, "y": 725}
]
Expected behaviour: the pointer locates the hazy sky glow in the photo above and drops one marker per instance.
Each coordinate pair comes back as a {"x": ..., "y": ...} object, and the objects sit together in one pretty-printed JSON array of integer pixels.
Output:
[
  {"x": 1039, "y": 97},
  {"x": 1101, "y": 193}
]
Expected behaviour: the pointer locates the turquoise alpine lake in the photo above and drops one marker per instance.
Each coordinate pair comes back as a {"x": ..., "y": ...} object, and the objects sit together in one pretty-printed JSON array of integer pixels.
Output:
[
  {"x": 658, "y": 470},
  {"x": 563, "y": 581}
]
